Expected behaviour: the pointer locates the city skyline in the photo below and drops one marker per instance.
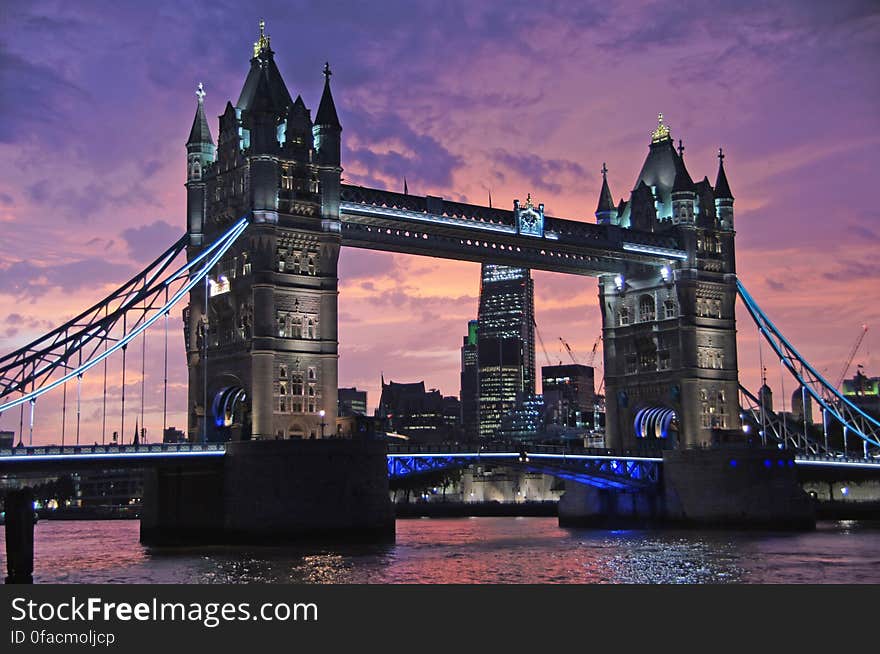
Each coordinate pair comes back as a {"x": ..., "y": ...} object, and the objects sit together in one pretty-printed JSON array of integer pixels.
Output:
[{"x": 134, "y": 195}]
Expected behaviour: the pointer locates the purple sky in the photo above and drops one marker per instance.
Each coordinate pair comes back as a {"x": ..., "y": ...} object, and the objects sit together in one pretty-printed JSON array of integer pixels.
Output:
[{"x": 96, "y": 101}]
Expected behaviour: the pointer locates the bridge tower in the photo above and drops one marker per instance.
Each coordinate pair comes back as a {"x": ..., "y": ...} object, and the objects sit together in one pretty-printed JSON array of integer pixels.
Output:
[
  {"x": 670, "y": 334},
  {"x": 261, "y": 335}
]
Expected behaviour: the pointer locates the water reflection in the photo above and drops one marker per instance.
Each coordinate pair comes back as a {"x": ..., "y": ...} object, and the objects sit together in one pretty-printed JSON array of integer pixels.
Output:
[{"x": 473, "y": 550}]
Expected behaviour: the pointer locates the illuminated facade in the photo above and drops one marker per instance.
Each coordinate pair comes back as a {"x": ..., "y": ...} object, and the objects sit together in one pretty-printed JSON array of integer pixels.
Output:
[
  {"x": 470, "y": 384},
  {"x": 261, "y": 336},
  {"x": 505, "y": 343},
  {"x": 670, "y": 336}
]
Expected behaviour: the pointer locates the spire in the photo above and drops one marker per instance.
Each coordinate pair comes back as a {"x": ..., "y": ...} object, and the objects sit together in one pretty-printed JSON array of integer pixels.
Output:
[
  {"x": 262, "y": 43},
  {"x": 683, "y": 181},
  {"x": 200, "y": 133},
  {"x": 326, "y": 115},
  {"x": 722, "y": 188},
  {"x": 606, "y": 200},
  {"x": 662, "y": 131}
]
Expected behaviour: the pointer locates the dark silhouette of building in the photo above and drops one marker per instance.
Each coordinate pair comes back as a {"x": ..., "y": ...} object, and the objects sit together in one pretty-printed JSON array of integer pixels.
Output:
[
  {"x": 569, "y": 394},
  {"x": 505, "y": 342},
  {"x": 352, "y": 402},
  {"x": 411, "y": 410},
  {"x": 173, "y": 435},
  {"x": 470, "y": 384}
]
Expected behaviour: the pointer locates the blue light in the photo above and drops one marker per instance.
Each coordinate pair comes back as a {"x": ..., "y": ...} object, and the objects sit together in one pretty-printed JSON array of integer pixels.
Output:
[
  {"x": 733, "y": 463},
  {"x": 768, "y": 463},
  {"x": 781, "y": 463}
]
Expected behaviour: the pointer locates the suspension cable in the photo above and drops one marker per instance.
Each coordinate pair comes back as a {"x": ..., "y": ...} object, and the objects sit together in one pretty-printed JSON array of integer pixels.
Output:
[
  {"x": 143, "y": 380},
  {"x": 104, "y": 412},
  {"x": 121, "y": 437},
  {"x": 165, "y": 379},
  {"x": 761, "y": 394},
  {"x": 784, "y": 418},
  {"x": 63, "y": 411}
]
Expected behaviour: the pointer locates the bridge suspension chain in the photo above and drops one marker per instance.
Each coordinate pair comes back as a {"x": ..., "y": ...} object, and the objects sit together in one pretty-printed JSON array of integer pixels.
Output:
[
  {"x": 44, "y": 364},
  {"x": 833, "y": 403}
]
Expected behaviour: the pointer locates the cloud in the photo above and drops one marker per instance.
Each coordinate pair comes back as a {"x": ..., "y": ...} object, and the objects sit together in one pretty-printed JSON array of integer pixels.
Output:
[
  {"x": 147, "y": 242},
  {"x": 28, "y": 85},
  {"x": 547, "y": 174},
  {"x": 28, "y": 281}
]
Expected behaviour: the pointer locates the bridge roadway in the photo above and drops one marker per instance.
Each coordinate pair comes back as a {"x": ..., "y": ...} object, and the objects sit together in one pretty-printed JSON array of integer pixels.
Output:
[
  {"x": 596, "y": 467},
  {"x": 432, "y": 226}
]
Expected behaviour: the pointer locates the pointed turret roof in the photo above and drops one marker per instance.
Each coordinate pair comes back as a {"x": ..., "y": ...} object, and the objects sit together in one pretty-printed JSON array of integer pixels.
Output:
[
  {"x": 683, "y": 181},
  {"x": 327, "y": 108},
  {"x": 606, "y": 201},
  {"x": 200, "y": 132},
  {"x": 264, "y": 85},
  {"x": 722, "y": 188}
]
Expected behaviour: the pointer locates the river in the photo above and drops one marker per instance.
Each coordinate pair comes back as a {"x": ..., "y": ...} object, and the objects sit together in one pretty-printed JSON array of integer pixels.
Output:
[{"x": 472, "y": 550}]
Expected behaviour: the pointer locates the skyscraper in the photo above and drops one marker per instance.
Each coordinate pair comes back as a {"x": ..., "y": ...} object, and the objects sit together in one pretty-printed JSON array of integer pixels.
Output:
[
  {"x": 470, "y": 384},
  {"x": 505, "y": 343}
]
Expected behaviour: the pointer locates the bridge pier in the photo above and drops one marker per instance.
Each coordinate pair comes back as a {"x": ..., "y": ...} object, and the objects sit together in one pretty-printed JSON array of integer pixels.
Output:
[
  {"x": 20, "y": 536},
  {"x": 271, "y": 492},
  {"x": 735, "y": 487}
]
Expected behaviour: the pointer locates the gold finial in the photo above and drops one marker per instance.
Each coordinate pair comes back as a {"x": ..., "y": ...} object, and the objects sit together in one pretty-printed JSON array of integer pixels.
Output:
[
  {"x": 263, "y": 42},
  {"x": 529, "y": 200},
  {"x": 200, "y": 93},
  {"x": 662, "y": 131}
]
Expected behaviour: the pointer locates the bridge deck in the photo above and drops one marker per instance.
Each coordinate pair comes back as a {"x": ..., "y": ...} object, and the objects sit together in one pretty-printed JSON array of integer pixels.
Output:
[{"x": 435, "y": 227}]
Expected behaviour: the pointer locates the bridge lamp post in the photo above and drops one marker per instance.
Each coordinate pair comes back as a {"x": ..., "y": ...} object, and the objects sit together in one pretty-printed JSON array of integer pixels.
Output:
[{"x": 322, "y": 413}]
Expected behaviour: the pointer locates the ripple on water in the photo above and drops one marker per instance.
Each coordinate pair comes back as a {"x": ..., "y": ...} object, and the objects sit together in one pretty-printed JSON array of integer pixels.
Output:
[{"x": 471, "y": 550}]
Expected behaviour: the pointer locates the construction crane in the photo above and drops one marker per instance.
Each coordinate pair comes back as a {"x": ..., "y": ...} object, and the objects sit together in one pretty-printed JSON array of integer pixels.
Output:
[
  {"x": 568, "y": 349},
  {"x": 593, "y": 352},
  {"x": 852, "y": 355},
  {"x": 541, "y": 341}
]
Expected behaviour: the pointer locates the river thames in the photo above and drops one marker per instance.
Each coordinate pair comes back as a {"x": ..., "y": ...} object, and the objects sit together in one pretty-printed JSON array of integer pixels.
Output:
[{"x": 472, "y": 550}]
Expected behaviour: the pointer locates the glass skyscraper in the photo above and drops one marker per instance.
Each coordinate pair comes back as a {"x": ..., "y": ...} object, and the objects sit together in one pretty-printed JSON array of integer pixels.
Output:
[{"x": 505, "y": 343}]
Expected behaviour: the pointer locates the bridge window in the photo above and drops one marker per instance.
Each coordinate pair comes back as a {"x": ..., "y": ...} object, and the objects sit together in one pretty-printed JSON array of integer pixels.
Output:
[
  {"x": 311, "y": 329},
  {"x": 311, "y": 265},
  {"x": 663, "y": 360},
  {"x": 647, "y": 310},
  {"x": 296, "y": 266},
  {"x": 312, "y": 375},
  {"x": 282, "y": 371},
  {"x": 669, "y": 309},
  {"x": 296, "y": 384},
  {"x": 623, "y": 317}
]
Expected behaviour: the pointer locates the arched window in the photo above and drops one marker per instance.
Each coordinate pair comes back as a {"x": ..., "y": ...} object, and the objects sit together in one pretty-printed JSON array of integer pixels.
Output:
[
  {"x": 647, "y": 310},
  {"x": 623, "y": 316},
  {"x": 669, "y": 308},
  {"x": 311, "y": 329},
  {"x": 296, "y": 327},
  {"x": 311, "y": 265}
]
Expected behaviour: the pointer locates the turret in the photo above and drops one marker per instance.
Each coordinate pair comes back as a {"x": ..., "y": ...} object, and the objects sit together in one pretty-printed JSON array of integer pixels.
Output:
[
  {"x": 327, "y": 130},
  {"x": 723, "y": 196},
  {"x": 327, "y": 135},
  {"x": 606, "y": 212},
  {"x": 199, "y": 155},
  {"x": 682, "y": 193}
]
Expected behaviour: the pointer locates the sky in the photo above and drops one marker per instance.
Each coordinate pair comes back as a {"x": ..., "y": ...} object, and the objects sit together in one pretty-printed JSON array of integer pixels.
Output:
[{"x": 461, "y": 98}]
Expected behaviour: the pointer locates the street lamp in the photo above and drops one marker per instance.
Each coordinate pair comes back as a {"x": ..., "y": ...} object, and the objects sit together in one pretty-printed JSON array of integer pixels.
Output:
[{"x": 322, "y": 413}]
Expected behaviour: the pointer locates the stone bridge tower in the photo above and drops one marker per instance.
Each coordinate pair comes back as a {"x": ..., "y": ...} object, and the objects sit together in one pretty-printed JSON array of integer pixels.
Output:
[
  {"x": 670, "y": 336},
  {"x": 261, "y": 335}
]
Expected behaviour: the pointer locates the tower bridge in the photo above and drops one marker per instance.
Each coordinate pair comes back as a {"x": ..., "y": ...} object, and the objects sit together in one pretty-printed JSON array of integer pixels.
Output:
[{"x": 267, "y": 216}]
